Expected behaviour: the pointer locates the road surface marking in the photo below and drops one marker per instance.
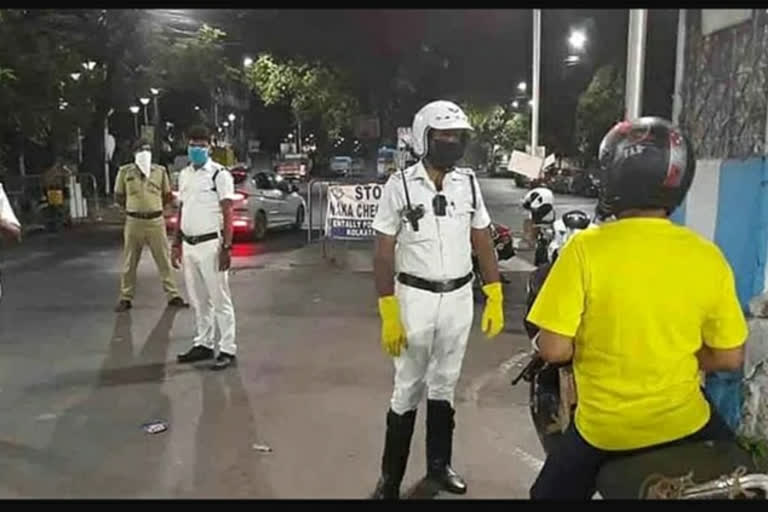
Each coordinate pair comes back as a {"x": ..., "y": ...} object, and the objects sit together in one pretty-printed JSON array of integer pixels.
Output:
[{"x": 472, "y": 394}]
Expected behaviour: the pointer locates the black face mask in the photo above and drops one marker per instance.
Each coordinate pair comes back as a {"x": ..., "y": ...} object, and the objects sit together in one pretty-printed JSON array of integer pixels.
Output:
[{"x": 444, "y": 154}]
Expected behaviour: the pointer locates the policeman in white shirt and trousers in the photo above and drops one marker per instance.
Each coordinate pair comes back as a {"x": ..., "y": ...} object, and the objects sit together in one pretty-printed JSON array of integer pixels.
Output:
[
  {"x": 10, "y": 227},
  {"x": 203, "y": 245},
  {"x": 430, "y": 218}
]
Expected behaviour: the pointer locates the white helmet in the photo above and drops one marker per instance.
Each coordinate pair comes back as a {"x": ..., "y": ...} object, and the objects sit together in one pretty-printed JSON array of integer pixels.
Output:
[
  {"x": 438, "y": 115},
  {"x": 538, "y": 198}
]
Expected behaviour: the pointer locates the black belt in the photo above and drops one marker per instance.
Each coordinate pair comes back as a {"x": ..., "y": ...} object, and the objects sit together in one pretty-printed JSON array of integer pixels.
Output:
[
  {"x": 434, "y": 286},
  {"x": 144, "y": 215},
  {"x": 194, "y": 240}
]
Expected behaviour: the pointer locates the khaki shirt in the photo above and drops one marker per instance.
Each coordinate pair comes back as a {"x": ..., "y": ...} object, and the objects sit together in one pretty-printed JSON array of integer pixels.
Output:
[{"x": 142, "y": 194}]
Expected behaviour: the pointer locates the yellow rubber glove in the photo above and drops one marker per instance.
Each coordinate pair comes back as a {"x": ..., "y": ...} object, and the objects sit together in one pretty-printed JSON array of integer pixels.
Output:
[
  {"x": 392, "y": 332},
  {"x": 493, "y": 314}
]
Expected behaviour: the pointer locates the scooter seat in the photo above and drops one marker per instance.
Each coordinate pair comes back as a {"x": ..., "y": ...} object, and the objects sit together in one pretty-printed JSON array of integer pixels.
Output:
[{"x": 624, "y": 478}]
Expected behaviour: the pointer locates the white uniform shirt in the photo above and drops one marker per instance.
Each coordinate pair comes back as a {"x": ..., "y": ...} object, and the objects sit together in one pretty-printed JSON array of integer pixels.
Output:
[
  {"x": 201, "y": 207},
  {"x": 441, "y": 249},
  {"x": 6, "y": 212}
]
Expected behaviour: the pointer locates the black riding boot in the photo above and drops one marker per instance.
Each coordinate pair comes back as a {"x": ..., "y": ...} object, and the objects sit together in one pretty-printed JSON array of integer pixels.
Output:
[
  {"x": 397, "y": 446},
  {"x": 440, "y": 447}
]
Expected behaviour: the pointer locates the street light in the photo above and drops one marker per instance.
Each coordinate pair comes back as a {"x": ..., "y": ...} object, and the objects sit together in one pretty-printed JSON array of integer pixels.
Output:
[
  {"x": 225, "y": 124},
  {"x": 75, "y": 76},
  {"x": 522, "y": 86},
  {"x": 577, "y": 39},
  {"x": 135, "y": 111},
  {"x": 247, "y": 62},
  {"x": 197, "y": 108},
  {"x": 515, "y": 104},
  {"x": 88, "y": 66},
  {"x": 232, "y": 118},
  {"x": 145, "y": 102}
]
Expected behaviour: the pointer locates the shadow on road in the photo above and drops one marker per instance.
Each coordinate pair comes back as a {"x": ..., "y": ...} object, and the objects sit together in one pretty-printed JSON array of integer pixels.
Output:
[
  {"x": 98, "y": 447},
  {"x": 227, "y": 465}
]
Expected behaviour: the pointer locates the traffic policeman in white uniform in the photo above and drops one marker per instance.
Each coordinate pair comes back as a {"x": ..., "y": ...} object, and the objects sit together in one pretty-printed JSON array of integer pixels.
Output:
[
  {"x": 203, "y": 245},
  {"x": 10, "y": 227},
  {"x": 430, "y": 217}
]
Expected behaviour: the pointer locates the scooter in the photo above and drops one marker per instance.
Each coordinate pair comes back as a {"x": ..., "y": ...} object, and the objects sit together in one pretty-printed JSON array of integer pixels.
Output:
[{"x": 724, "y": 470}]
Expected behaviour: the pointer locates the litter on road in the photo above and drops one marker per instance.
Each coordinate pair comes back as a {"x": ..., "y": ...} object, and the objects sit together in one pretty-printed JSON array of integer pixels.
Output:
[{"x": 155, "y": 427}]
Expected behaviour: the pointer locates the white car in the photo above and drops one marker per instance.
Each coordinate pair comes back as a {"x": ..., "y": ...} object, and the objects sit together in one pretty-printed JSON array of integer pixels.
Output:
[{"x": 264, "y": 201}]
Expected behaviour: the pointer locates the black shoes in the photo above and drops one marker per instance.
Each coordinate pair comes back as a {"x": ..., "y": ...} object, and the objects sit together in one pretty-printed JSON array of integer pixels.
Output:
[
  {"x": 200, "y": 353},
  {"x": 397, "y": 447},
  {"x": 223, "y": 361},
  {"x": 440, "y": 426},
  {"x": 123, "y": 306},
  {"x": 177, "y": 302},
  {"x": 195, "y": 354}
]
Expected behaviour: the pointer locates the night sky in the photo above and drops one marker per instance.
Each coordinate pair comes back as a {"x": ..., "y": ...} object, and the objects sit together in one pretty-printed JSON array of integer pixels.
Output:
[{"x": 476, "y": 54}]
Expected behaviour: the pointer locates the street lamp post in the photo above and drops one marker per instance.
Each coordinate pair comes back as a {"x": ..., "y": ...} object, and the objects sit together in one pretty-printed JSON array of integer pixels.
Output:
[
  {"x": 677, "y": 101},
  {"x": 638, "y": 19},
  {"x": 145, "y": 102},
  {"x": 155, "y": 93},
  {"x": 135, "y": 111},
  {"x": 536, "y": 73}
]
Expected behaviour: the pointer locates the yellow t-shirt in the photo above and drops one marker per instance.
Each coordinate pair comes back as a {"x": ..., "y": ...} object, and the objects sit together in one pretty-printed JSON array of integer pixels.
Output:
[{"x": 639, "y": 296}]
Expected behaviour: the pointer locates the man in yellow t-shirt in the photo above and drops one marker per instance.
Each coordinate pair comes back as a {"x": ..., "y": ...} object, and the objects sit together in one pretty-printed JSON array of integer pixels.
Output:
[{"x": 640, "y": 305}]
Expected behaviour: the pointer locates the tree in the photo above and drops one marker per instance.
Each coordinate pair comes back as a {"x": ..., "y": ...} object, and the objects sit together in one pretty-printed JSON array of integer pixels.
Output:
[
  {"x": 599, "y": 108},
  {"x": 497, "y": 127},
  {"x": 42, "y": 101},
  {"x": 312, "y": 90},
  {"x": 189, "y": 62}
]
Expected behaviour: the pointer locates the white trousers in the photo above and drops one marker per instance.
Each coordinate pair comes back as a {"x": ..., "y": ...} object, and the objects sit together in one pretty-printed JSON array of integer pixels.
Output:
[
  {"x": 437, "y": 327},
  {"x": 209, "y": 295}
]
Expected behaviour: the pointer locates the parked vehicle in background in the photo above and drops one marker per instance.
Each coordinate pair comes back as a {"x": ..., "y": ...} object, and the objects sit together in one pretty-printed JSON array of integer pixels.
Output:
[
  {"x": 265, "y": 200},
  {"x": 561, "y": 182},
  {"x": 586, "y": 184},
  {"x": 294, "y": 167},
  {"x": 522, "y": 181},
  {"x": 386, "y": 162},
  {"x": 341, "y": 165}
]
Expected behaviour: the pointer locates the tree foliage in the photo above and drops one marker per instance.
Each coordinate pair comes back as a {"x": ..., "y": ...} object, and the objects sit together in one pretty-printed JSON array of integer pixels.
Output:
[
  {"x": 599, "y": 108},
  {"x": 498, "y": 127},
  {"x": 312, "y": 90},
  {"x": 189, "y": 61}
]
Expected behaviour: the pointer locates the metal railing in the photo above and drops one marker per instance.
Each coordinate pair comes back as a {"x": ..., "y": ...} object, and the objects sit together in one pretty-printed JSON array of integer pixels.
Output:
[
  {"x": 322, "y": 198},
  {"x": 26, "y": 192}
]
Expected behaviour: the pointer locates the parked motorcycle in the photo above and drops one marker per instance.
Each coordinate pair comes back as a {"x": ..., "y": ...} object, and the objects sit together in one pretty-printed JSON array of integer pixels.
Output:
[
  {"x": 52, "y": 210},
  {"x": 502, "y": 243},
  {"x": 725, "y": 469}
]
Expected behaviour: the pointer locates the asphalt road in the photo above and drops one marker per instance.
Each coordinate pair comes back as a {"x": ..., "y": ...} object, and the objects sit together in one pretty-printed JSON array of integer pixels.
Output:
[{"x": 77, "y": 381}]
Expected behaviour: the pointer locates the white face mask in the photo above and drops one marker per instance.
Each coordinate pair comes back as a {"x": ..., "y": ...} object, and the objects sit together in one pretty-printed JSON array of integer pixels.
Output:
[{"x": 143, "y": 160}]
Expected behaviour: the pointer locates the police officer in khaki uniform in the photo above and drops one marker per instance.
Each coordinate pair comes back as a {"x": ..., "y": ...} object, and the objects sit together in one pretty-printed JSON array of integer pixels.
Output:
[{"x": 142, "y": 190}]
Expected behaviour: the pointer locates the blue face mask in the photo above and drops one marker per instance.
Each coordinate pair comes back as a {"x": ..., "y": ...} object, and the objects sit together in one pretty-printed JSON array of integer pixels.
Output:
[{"x": 197, "y": 155}]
